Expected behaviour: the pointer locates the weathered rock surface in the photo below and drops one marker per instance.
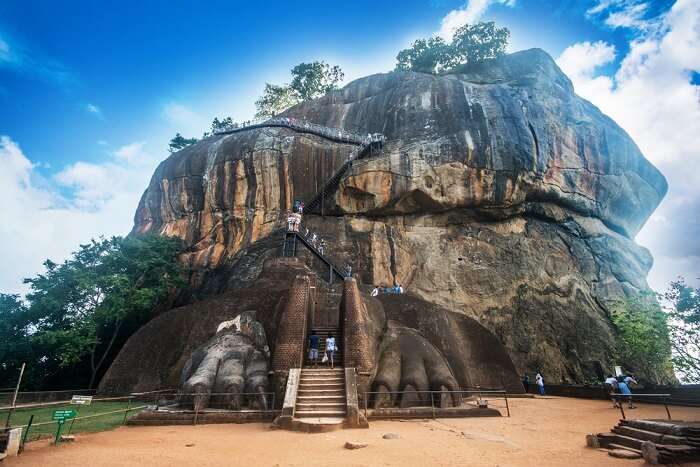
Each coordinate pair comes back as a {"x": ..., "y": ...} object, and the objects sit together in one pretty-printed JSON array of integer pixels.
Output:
[{"x": 500, "y": 195}]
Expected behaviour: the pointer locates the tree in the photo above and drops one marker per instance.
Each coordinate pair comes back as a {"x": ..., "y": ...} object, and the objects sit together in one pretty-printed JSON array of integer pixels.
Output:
[
  {"x": 180, "y": 142},
  {"x": 425, "y": 56},
  {"x": 309, "y": 81},
  {"x": 478, "y": 42},
  {"x": 275, "y": 100},
  {"x": 684, "y": 324},
  {"x": 312, "y": 80},
  {"x": 644, "y": 342},
  {"x": 221, "y": 125},
  {"x": 78, "y": 308},
  {"x": 471, "y": 44},
  {"x": 15, "y": 343}
]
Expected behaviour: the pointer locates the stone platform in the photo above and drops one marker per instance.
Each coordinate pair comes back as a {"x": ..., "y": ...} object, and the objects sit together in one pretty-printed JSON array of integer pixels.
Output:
[{"x": 187, "y": 417}]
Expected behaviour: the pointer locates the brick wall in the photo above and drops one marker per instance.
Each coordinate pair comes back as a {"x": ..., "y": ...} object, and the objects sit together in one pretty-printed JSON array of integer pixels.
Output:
[
  {"x": 291, "y": 335},
  {"x": 358, "y": 348}
]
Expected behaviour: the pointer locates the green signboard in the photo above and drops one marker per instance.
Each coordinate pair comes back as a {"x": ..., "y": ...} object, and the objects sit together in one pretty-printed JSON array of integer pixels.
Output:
[{"x": 61, "y": 415}]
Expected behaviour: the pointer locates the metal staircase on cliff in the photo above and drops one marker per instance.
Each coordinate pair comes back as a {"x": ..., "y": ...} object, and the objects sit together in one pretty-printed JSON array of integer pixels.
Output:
[
  {"x": 365, "y": 146},
  {"x": 289, "y": 250}
]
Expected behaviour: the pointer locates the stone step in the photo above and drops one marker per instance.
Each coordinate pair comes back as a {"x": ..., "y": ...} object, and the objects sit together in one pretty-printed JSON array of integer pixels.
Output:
[
  {"x": 625, "y": 448},
  {"x": 335, "y": 398},
  {"x": 319, "y": 413},
  {"x": 321, "y": 392},
  {"x": 626, "y": 441},
  {"x": 320, "y": 406},
  {"x": 322, "y": 385},
  {"x": 646, "y": 435},
  {"x": 322, "y": 379}
]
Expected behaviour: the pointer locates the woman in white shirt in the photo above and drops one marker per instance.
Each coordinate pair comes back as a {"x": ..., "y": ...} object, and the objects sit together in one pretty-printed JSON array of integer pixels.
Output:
[{"x": 330, "y": 348}]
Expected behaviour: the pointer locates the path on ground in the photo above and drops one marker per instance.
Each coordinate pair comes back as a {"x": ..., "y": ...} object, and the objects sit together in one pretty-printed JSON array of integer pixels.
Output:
[{"x": 541, "y": 432}]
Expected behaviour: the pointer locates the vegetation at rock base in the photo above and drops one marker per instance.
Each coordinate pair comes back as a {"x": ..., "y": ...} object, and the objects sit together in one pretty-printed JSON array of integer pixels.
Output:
[
  {"x": 309, "y": 81},
  {"x": 76, "y": 312},
  {"x": 643, "y": 343},
  {"x": 180, "y": 142},
  {"x": 471, "y": 44},
  {"x": 684, "y": 327}
]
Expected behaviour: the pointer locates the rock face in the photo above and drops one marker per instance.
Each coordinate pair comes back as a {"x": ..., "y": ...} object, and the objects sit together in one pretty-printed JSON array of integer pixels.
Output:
[{"x": 500, "y": 195}]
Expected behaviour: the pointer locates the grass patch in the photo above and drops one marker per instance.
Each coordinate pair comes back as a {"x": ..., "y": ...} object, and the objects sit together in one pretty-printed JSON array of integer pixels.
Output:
[{"x": 44, "y": 414}]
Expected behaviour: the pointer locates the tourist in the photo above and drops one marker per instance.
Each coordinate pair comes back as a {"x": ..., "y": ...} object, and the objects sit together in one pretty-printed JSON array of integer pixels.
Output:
[
  {"x": 625, "y": 391},
  {"x": 290, "y": 222},
  {"x": 313, "y": 348},
  {"x": 540, "y": 383},
  {"x": 400, "y": 289},
  {"x": 322, "y": 246},
  {"x": 301, "y": 207},
  {"x": 526, "y": 383},
  {"x": 297, "y": 221},
  {"x": 375, "y": 291},
  {"x": 348, "y": 270},
  {"x": 330, "y": 349},
  {"x": 611, "y": 389},
  {"x": 314, "y": 239},
  {"x": 306, "y": 234}
]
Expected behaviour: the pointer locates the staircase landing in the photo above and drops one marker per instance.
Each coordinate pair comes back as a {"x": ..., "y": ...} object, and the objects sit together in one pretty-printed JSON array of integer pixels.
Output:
[{"x": 321, "y": 402}]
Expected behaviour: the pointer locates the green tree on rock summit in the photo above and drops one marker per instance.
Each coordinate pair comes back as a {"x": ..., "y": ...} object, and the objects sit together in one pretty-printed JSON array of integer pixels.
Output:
[
  {"x": 309, "y": 81},
  {"x": 471, "y": 44}
]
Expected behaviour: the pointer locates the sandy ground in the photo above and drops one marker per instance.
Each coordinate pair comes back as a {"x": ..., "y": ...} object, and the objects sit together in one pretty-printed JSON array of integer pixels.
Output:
[{"x": 541, "y": 432}]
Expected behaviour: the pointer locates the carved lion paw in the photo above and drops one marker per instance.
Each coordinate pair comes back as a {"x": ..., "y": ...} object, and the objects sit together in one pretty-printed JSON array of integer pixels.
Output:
[
  {"x": 412, "y": 365},
  {"x": 232, "y": 363}
]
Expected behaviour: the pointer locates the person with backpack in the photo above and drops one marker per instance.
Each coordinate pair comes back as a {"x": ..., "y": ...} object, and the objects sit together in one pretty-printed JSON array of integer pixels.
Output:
[{"x": 624, "y": 389}]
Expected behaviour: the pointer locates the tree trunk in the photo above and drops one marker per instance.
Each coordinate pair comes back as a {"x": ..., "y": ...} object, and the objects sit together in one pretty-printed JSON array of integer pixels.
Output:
[{"x": 96, "y": 368}]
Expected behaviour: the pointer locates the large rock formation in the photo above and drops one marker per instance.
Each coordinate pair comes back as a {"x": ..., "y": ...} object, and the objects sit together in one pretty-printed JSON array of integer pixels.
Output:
[{"x": 500, "y": 195}]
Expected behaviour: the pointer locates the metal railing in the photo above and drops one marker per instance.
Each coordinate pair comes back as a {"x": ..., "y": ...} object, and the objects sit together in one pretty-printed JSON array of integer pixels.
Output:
[
  {"x": 466, "y": 398},
  {"x": 305, "y": 126},
  {"x": 160, "y": 400},
  {"x": 620, "y": 399}
]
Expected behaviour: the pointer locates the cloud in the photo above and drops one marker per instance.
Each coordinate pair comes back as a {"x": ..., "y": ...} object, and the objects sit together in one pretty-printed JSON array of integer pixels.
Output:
[
  {"x": 652, "y": 97},
  {"x": 17, "y": 58},
  {"x": 470, "y": 13},
  {"x": 622, "y": 13},
  {"x": 183, "y": 118},
  {"x": 102, "y": 142},
  {"x": 39, "y": 222},
  {"x": 581, "y": 61},
  {"x": 95, "y": 110}
]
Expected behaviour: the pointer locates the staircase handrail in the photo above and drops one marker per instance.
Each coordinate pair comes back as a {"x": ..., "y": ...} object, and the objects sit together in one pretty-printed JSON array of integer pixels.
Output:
[
  {"x": 315, "y": 251},
  {"x": 303, "y": 125}
]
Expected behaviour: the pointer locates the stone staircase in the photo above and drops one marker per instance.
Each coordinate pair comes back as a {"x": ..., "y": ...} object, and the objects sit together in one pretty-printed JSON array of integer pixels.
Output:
[
  {"x": 321, "y": 396},
  {"x": 656, "y": 440}
]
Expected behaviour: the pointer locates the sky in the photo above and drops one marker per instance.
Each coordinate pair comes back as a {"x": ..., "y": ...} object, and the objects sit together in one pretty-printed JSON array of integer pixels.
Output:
[{"x": 91, "y": 93}]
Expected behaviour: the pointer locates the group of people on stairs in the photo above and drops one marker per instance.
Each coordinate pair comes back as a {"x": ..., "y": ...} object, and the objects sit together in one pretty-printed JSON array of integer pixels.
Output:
[{"x": 329, "y": 352}]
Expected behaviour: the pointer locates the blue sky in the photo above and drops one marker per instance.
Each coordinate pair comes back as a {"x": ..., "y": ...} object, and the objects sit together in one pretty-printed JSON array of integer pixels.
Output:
[{"x": 90, "y": 92}]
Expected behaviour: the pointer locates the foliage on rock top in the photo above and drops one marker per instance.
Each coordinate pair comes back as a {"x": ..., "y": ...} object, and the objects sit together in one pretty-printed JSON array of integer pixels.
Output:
[{"x": 471, "y": 44}]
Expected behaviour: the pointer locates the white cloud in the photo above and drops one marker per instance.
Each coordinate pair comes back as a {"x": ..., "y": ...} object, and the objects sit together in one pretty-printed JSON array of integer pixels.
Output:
[
  {"x": 470, "y": 13},
  {"x": 652, "y": 98},
  {"x": 39, "y": 222},
  {"x": 630, "y": 16},
  {"x": 93, "y": 109},
  {"x": 581, "y": 61},
  {"x": 182, "y": 117}
]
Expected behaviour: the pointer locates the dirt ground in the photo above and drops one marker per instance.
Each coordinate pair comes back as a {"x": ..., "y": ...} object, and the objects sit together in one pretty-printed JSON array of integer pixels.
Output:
[{"x": 541, "y": 432}]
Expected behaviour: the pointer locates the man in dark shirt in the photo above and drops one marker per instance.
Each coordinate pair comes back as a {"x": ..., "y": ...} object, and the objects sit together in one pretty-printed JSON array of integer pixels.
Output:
[{"x": 313, "y": 347}]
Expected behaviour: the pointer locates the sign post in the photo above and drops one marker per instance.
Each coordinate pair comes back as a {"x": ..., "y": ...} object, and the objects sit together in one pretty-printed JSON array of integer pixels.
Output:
[
  {"x": 78, "y": 400},
  {"x": 60, "y": 417}
]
